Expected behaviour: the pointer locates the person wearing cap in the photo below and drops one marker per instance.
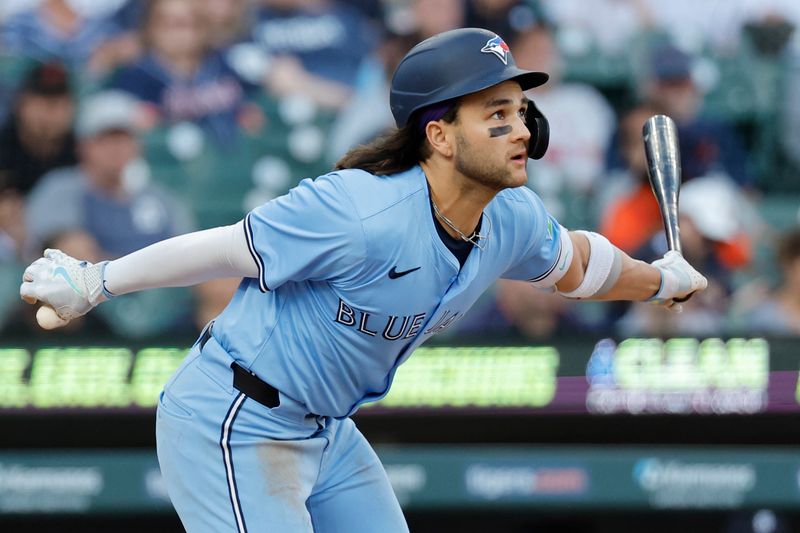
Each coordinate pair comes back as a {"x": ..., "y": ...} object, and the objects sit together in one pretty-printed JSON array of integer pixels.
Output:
[
  {"x": 342, "y": 278},
  {"x": 707, "y": 144},
  {"x": 105, "y": 206},
  {"x": 717, "y": 224},
  {"x": 576, "y": 155},
  {"x": 98, "y": 195}
]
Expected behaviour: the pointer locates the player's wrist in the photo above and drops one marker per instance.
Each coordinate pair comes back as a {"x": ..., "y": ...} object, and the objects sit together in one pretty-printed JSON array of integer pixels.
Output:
[
  {"x": 654, "y": 296},
  {"x": 669, "y": 287},
  {"x": 93, "y": 283},
  {"x": 678, "y": 278},
  {"x": 106, "y": 293}
]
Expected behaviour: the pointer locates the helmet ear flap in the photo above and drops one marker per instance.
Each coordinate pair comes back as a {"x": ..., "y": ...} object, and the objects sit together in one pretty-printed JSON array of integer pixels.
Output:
[{"x": 540, "y": 131}]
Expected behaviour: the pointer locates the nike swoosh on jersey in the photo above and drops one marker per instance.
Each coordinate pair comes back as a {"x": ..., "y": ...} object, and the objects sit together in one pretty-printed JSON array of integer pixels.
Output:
[
  {"x": 394, "y": 274},
  {"x": 61, "y": 271}
]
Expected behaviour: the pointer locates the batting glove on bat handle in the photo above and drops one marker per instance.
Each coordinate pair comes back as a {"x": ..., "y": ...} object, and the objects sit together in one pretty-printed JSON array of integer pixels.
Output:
[
  {"x": 71, "y": 287},
  {"x": 679, "y": 280}
]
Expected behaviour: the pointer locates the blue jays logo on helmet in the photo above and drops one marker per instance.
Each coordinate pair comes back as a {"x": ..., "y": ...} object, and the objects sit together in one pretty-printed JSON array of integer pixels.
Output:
[{"x": 498, "y": 47}]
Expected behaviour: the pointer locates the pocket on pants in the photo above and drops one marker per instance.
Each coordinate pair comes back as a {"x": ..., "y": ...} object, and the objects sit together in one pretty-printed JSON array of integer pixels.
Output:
[{"x": 173, "y": 407}]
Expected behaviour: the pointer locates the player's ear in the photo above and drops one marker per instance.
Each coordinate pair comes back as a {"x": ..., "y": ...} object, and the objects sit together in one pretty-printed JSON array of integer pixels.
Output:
[{"x": 439, "y": 138}]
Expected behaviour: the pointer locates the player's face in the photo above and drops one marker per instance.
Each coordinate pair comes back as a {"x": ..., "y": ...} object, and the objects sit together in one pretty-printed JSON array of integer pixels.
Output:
[{"x": 492, "y": 138}]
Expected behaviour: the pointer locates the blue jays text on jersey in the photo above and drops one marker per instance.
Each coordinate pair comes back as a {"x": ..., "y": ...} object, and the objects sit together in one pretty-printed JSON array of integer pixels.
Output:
[{"x": 354, "y": 276}]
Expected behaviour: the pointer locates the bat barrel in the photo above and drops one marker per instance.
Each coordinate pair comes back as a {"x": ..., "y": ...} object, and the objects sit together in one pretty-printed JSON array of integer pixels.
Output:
[{"x": 664, "y": 170}]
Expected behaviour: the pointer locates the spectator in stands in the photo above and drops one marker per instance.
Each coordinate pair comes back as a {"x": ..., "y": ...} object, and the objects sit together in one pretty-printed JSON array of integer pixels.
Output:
[
  {"x": 99, "y": 196},
  {"x": 317, "y": 47},
  {"x": 710, "y": 205},
  {"x": 181, "y": 79},
  {"x": 55, "y": 29},
  {"x": 706, "y": 144},
  {"x": 227, "y": 21},
  {"x": 777, "y": 313},
  {"x": 37, "y": 136},
  {"x": 630, "y": 214},
  {"x": 714, "y": 216},
  {"x": 584, "y": 119},
  {"x": 105, "y": 207},
  {"x": 627, "y": 209}
]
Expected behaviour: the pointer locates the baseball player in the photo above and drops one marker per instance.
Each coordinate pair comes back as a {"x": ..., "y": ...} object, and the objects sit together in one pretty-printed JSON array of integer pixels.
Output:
[{"x": 343, "y": 278}]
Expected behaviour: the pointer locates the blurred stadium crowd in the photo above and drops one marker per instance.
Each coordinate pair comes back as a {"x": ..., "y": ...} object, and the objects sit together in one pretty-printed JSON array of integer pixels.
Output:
[{"x": 124, "y": 122}]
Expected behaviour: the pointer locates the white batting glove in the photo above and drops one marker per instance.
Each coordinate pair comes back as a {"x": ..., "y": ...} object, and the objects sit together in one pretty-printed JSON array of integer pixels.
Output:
[
  {"x": 71, "y": 287},
  {"x": 678, "y": 280}
]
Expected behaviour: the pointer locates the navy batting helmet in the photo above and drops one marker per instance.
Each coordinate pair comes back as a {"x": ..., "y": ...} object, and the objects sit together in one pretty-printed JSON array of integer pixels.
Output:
[{"x": 459, "y": 62}]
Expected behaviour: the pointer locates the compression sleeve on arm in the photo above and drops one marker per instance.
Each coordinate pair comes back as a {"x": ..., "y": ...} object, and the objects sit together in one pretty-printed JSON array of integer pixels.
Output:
[
  {"x": 603, "y": 269},
  {"x": 184, "y": 260}
]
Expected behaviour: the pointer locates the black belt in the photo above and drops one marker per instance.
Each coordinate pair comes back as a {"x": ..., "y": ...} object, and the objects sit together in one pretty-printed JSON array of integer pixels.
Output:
[{"x": 247, "y": 382}]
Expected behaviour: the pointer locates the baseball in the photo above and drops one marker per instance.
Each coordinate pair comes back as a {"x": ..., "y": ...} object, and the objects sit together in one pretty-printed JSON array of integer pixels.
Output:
[{"x": 48, "y": 319}]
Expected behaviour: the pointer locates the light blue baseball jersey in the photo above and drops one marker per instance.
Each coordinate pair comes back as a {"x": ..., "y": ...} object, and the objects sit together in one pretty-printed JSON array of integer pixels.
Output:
[{"x": 353, "y": 277}]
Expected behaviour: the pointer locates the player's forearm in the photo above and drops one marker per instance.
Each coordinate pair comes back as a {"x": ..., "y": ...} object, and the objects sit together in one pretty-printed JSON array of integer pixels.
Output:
[
  {"x": 182, "y": 261},
  {"x": 637, "y": 281},
  {"x": 601, "y": 271}
]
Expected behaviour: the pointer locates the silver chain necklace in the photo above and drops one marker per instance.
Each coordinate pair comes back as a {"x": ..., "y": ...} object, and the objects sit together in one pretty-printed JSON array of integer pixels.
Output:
[{"x": 475, "y": 238}]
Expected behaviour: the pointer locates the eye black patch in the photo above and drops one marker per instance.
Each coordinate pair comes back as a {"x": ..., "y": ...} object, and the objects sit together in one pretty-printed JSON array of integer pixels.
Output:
[{"x": 500, "y": 130}]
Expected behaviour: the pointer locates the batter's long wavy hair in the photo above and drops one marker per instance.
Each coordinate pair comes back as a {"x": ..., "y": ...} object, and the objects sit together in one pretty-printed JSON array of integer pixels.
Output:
[{"x": 395, "y": 151}]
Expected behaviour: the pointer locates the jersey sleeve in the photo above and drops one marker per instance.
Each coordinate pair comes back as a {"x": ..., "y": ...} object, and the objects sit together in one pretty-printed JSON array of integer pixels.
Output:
[
  {"x": 311, "y": 233},
  {"x": 544, "y": 255}
]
